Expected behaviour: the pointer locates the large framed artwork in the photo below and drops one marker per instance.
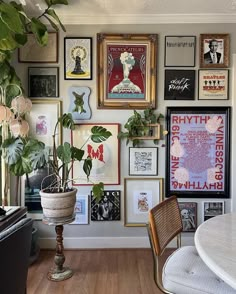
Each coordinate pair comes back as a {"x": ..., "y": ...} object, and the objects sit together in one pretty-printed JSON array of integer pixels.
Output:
[
  {"x": 78, "y": 58},
  {"x": 179, "y": 84},
  {"x": 214, "y": 50},
  {"x": 198, "y": 157},
  {"x": 32, "y": 52},
  {"x": 42, "y": 120},
  {"x": 180, "y": 51},
  {"x": 107, "y": 208},
  {"x": 126, "y": 71},
  {"x": 141, "y": 194},
  {"x": 43, "y": 81},
  {"x": 213, "y": 84},
  {"x": 105, "y": 155}
]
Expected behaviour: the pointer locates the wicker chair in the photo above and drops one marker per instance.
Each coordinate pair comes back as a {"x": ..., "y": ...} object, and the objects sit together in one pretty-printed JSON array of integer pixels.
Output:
[{"x": 183, "y": 272}]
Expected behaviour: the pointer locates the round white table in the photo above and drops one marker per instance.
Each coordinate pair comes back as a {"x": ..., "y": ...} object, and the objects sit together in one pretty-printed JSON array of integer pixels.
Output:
[{"x": 215, "y": 240}]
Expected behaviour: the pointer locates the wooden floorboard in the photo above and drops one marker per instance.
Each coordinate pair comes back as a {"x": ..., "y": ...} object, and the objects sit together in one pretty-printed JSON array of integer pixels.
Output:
[{"x": 114, "y": 271}]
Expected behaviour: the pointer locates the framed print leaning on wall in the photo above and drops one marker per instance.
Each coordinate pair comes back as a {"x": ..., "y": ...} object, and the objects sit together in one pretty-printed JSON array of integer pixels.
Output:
[
  {"x": 141, "y": 194},
  {"x": 198, "y": 157},
  {"x": 213, "y": 84},
  {"x": 105, "y": 155},
  {"x": 188, "y": 211},
  {"x": 214, "y": 50},
  {"x": 78, "y": 58},
  {"x": 126, "y": 67}
]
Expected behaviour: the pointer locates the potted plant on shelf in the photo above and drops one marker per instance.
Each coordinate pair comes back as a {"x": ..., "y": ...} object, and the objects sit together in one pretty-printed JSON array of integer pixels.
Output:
[{"x": 142, "y": 126}]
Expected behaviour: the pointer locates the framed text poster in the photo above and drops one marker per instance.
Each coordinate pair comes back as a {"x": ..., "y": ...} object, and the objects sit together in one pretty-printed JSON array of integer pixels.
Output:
[
  {"x": 198, "y": 152},
  {"x": 126, "y": 67}
]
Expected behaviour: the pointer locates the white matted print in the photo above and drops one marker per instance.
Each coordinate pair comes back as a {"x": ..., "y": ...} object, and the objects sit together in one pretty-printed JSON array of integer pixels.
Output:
[
  {"x": 81, "y": 210},
  {"x": 141, "y": 194},
  {"x": 143, "y": 161},
  {"x": 213, "y": 84},
  {"x": 211, "y": 209}
]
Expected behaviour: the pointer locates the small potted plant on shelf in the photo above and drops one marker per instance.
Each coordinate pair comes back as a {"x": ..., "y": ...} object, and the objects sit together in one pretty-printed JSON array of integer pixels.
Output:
[{"x": 142, "y": 126}]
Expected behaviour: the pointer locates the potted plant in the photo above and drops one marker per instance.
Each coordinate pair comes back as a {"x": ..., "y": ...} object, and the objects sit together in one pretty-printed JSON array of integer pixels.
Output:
[{"x": 141, "y": 126}]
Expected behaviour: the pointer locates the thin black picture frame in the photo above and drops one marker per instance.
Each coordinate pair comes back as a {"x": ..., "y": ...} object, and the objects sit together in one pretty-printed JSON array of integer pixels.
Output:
[
  {"x": 198, "y": 152},
  {"x": 180, "y": 51}
]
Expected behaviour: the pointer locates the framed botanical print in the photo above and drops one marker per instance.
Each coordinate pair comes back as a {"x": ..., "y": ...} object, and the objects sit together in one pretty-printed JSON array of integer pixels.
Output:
[
  {"x": 78, "y": 58},
  {"x": 105, "y": 155},
  {"x": 126, "y": 68},
  {"x": 141, "y": 194},
  {"x": 198, "y": 156},
  {"x": 213, "y": 84},
  {"x": 211, "y": 209},
  {"x": 188, "y": 211},
  {"x": 143, "y": 161},
  {"x": 214, "y": 50},
  {"x": 179, "y": 84},
  {"x": 180, "y": 51},
  {"x": 43, "y": 81}
]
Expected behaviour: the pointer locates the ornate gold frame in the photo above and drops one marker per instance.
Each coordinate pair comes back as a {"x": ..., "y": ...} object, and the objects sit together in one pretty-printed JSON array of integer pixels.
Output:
[{"x": 147, "y": 43}]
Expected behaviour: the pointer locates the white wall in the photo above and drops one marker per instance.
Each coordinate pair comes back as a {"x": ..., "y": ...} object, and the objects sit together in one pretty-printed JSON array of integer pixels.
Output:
[{"x": 113, "y": 233}]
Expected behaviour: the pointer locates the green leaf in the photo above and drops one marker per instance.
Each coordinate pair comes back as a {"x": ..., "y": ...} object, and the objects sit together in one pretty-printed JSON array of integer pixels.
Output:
[
  {"x": 40, "y": 31},
  {"x": 14, "y": 149},
  {"x": 76, "y": 153},
  {"x": 21, "y": 39},
  {"x": 100, "y": 134},
  {"x": 21, "y": 167},
  {"x": 98, "y": 190},
  {"x": 64, "y": 152},
  {"x": 10, "y": 16},
  {"x": 67, "y": 121},
  {"x": 52, "y": 24},
  {"x": 53, "y": 14},
  {"x": 54, "y": 2},
  {"x": 87, "y": 166}
]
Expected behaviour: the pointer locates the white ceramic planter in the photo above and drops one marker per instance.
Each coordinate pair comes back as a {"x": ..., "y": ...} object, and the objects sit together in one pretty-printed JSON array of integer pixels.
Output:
[{"x": 58, "y": 205}]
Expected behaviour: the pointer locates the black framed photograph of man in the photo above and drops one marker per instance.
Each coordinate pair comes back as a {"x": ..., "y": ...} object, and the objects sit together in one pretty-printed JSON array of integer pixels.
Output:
[
  {"x": 43, "y": 81},
  {"x": 108, "y": 208},
  {"x": 214, "y": 50}
]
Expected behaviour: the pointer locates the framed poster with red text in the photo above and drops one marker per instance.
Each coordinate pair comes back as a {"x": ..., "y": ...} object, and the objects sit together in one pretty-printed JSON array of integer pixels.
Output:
[
  {"x": 127, "y": 65},
  {"x": 198, "y": 152}
]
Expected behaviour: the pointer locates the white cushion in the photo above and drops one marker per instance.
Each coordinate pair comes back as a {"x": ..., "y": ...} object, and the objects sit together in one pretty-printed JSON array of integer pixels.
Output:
[{"x": 185, "y": 273}]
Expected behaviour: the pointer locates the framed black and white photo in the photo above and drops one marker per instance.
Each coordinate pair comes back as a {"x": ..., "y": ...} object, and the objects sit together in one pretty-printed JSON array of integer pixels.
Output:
[
  {"x": 179, "y": 84},
  {"x": 108, "y": 208},
  {"x": 211, "y": 209},
  {"x": 143, "y": 161},
  {"x": 213, "y": 84},
  {"x": 43, "y": 82},
  {"x": 180, "y": 51},
  {"x": 188, "y": 212},
  {"x": 77, "y": 58},
  {"x": 214, "y": 50}
]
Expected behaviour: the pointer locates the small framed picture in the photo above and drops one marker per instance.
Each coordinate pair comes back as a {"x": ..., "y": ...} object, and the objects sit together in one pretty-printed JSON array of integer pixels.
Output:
[
  {"x": 211, "y": 209},
  {"x": 43, "y": 81},
  {"x": 180, "y": 51},
  {"x": 32, "y": 52},
  {"x": 81, "y": 210},
  {"x": 214, "y": 50},
  {"x": 141, "y": 194},
  {"x": 78, "y": 58},
  {"x": 143, "y": 161},
  {"x": 213, "y": 84},
  {"x": 108, "y": 208},
  {"x": 188, "y": 212},
  {"x": 179, "y": 84}
]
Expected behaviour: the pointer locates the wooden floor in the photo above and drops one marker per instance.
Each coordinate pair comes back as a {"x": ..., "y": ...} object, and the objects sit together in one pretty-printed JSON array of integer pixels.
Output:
[{"x": 115, "y": 271}]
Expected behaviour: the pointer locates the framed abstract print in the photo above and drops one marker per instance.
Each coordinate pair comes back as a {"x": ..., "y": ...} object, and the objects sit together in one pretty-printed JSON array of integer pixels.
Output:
[
  {"x": 78, "y": 58},
  {"x": 141, "y": 194},
  {"x": 213, "y": 84},
  {"x": 198, "y": 156},
  {"x": 105, "y": 155},
  {"x": 214, "y": 50},
  {"x": 81, "y": 210},
  {"x": 179, "y": 84},
  {"x": 126, "y": 67},
  {"x": 143, "y": 161},
  {"x": 180, "y": 51}
]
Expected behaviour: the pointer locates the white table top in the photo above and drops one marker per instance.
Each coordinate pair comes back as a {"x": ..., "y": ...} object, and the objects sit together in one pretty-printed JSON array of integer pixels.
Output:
[{"x": 215, "y": 240}]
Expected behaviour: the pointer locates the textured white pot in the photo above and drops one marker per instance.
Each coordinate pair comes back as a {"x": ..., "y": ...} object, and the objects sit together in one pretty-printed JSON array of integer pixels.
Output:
[{"x": 58, "y": 205}]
